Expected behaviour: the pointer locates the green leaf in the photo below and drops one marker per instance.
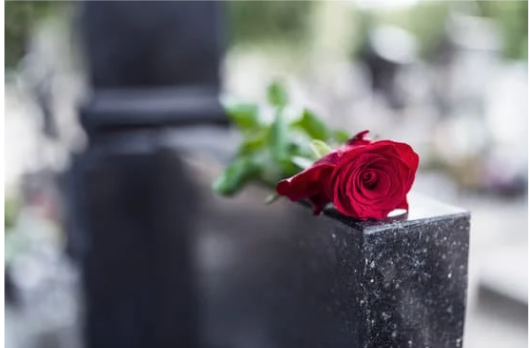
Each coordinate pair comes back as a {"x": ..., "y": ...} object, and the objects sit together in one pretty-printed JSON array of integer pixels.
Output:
[
  {"x": 341, "y": 136},
  {"x": 279, "y": 137},
  {"x": 320, "y": 148},
  {"x": 270, "y": 170},
  {"x": 277, "y": 95},
  {"x": 235, "y": 176},
  {"x": 301, "y": 147},
  {"x": 313, "y": 126},
  {"x": 244, "y": 115},
  {"x": 301, "y": 162},
  {"x": 254, "y": 143},
  {"x": 288, "y": 168}
]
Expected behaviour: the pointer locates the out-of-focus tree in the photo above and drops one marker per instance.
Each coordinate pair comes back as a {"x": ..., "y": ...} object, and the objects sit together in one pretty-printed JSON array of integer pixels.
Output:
[
  {"x": 426, "y": 21},
  {"x": 11, "y": 209},
  {"x": 512, "y": 17},
  {"x": 20, "y": 19},
  {"x": 281, "y": 22}
]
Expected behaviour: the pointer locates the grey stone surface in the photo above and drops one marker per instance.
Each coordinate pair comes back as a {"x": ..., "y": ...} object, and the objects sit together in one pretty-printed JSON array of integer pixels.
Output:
[
  {"x": 280, "y": 277},
  {"x": 413, "y": 277}
]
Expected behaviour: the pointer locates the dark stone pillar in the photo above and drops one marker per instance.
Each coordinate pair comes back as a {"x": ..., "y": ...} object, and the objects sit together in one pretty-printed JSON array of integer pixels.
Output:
[
  {"x": 152, "y": 43},
  {"x": 152, "y": 66}
]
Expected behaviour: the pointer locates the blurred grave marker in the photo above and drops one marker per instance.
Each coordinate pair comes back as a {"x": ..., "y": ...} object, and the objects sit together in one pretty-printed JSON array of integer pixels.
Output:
[{"x": 152, "y": 65}]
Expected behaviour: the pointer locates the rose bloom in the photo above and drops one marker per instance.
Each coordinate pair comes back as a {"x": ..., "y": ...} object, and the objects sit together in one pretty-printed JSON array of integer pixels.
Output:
[{"x": 364, "y": 179}]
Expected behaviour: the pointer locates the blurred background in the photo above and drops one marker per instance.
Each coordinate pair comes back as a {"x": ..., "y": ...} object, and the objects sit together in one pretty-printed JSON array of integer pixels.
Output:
[{"x": 450, "y": 78}]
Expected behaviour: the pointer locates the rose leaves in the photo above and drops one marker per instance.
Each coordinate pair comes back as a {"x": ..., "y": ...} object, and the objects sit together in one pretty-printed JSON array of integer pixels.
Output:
[
  {"x": 288, "y": 147},
  {"x": 276, "y": 141}
]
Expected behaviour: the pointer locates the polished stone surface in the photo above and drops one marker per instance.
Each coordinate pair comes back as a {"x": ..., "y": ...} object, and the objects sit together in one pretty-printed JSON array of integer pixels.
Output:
[
  {"x": 276, "y": 276},
  {"x": 414, "y": 279}
]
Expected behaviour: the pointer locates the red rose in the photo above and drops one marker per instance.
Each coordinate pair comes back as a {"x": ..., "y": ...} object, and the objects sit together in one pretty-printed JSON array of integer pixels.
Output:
[{"x": 364, "y": 179}]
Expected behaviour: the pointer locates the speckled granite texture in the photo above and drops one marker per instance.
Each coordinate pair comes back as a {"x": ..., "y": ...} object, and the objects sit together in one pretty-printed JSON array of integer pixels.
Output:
[
  {"x": 282, "y": 278},
  {"x": 411, "y": 277}
]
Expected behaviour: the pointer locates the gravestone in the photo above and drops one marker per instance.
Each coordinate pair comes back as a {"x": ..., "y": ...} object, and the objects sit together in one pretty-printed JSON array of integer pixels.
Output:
[
  {"x": 135, "y": 44},
  {"x": 276, "y": 276},
  {"x": 152, "y": 65},
  {"x": 168, "y": 264}
]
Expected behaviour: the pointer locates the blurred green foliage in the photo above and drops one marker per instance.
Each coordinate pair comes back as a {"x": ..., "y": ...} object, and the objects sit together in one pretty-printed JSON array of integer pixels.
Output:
[
  {"x": 255, "y": 22},
  {"x": 20, "y": 18},
  {"x": 288, "y": 23},
  {"x": 512, "y": 17},
  {"x": 427, "y": 21},
  {"x": 277, "y": 147},
  {"x": 11, "y": 210}
]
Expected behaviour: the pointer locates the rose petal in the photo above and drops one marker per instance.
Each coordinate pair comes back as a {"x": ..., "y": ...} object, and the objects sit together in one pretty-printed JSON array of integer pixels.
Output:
[
  {"x": 407, "y": 155},
  {"x": 330, "y": 158},
  {"x": 304, "y": 184},
  {"x": 359, "y": 139},
  {"x": 364, "y": 179},
  {"x": 403, "y": 205},
  {"x": 319, "y": 201}
]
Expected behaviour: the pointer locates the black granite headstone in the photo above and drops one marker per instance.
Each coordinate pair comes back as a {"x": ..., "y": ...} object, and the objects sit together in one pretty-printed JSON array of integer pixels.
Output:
[
  {"x": 411, "y": 276},
  {"x": 281, "y": 278},
  {"x": 152, "y": 65}
]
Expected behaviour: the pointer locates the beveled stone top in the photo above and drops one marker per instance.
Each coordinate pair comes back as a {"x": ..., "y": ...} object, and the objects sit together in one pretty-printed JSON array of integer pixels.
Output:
[{"x": 421, "y": 209}]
